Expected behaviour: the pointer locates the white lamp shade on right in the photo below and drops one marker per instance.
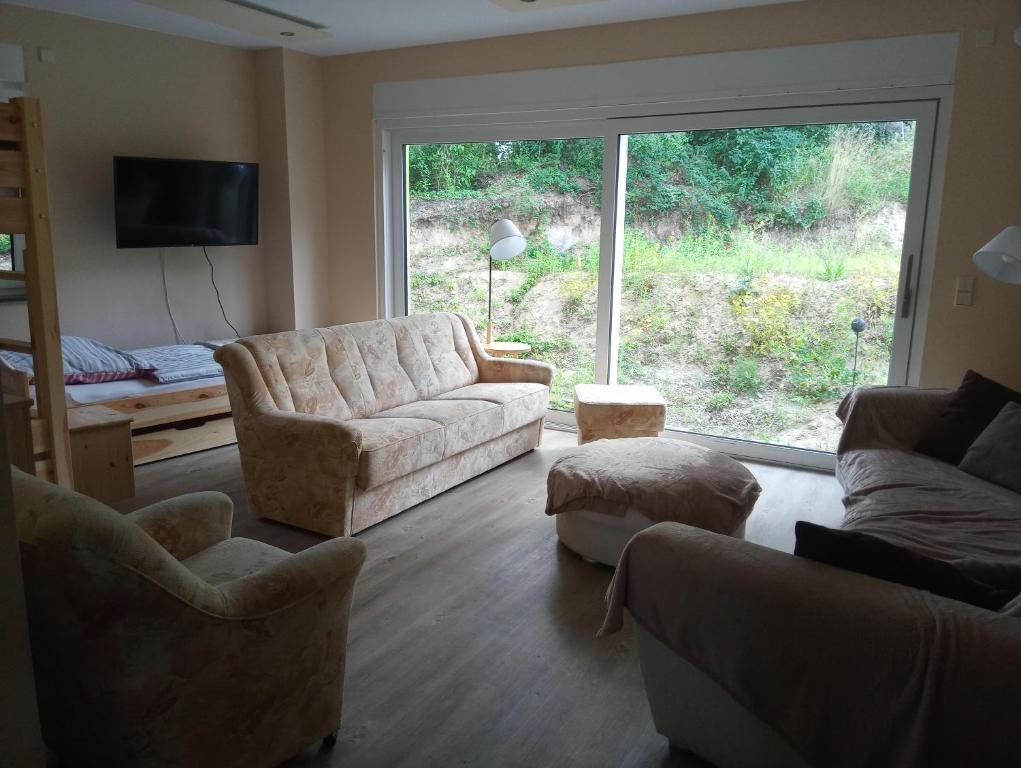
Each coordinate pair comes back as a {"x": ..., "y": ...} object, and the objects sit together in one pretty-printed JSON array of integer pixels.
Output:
[
  {"x": 1000, "y": 258},
  {"x": 505, "y": 240}
]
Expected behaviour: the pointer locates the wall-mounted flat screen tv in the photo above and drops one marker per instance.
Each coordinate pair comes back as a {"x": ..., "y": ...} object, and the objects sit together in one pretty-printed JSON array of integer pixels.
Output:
[{"x": 166, "y": 203}]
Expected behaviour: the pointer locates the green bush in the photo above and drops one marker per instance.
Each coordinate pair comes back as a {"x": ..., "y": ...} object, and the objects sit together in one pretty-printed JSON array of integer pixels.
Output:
[
  {"x": 785, "y": 176},
  {"x": 719, "y": 401}
]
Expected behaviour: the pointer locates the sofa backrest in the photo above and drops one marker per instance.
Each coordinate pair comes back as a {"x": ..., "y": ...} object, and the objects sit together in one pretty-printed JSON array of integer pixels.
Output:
[
  {"x": 359, "y": 369},
  {"x": 79, "y": 550}
]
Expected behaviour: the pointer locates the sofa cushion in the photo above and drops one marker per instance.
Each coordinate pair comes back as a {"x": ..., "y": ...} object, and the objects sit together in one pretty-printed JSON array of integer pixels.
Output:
[
  {"x": 935, "y": 510},
  {"x": 435, "y": 353},
  {"x": 233, "y": 559},
  {"x": 466, "y": 423},
  {"x": 873, "y": 556},
  {"x": 296, "y": 371},
  {"x": 523, "y": 402},
  {"x": 996, "y": 454},
  {"x": 377, "y": 345},
  {"x": 392, "y": 448},
  {"x": 971, "y": 409}
]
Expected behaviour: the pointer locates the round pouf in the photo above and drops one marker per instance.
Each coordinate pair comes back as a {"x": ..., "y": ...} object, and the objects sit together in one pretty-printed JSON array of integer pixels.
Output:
[{"x": 602, "y": 493}]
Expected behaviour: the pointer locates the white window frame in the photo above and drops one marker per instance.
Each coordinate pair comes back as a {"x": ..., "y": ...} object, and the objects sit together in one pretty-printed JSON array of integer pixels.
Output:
[{"x": 928, "y": 106}]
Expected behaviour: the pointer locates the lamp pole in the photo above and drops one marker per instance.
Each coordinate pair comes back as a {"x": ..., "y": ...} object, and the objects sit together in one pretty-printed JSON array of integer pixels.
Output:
[
  {"x": 505, "y": 242},
  {"x": 489, "y": 325}
]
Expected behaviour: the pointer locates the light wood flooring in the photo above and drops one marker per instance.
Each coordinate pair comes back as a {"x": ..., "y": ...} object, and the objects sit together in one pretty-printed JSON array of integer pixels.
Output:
[{"x": 472, "y": 639}]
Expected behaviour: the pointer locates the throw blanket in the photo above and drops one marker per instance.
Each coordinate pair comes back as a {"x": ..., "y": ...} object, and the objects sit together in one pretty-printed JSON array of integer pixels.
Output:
[
  {"x": 849, "y": 670},
  {"x": 660, "y": 478}
]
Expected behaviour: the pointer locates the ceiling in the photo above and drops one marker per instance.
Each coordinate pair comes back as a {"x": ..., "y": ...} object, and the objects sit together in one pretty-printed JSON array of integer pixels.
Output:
[{"x": 367, "y": 25}]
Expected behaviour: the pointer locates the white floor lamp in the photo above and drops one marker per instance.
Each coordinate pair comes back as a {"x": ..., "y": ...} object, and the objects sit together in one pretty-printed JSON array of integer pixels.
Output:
[
  {"x": 1000, "y": 258},
  {"x": 505, "y": 242}
]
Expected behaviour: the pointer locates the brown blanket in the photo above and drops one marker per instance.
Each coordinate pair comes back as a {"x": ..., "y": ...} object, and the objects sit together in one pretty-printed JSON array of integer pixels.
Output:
[
  {"x": 660, "y": 478},
  {"x": 849, "y": 670}
]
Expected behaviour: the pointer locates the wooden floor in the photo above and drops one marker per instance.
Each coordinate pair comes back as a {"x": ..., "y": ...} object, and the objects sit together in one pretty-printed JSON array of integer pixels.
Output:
[{"x": 472, "y": 638}]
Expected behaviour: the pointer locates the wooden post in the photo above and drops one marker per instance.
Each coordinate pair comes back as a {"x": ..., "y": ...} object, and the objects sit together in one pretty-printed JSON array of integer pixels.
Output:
[{"x": 41, "y": 292}]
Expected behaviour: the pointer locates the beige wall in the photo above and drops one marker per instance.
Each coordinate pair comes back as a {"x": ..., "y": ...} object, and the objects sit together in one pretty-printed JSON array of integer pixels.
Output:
[
  {"x": 292, "y": 146},
  {"x": 306, "y": 152},
  {"x": 116, "y": 90},
  {"x": 274, "y": 189},
  {"x": 982, "y": 191}
]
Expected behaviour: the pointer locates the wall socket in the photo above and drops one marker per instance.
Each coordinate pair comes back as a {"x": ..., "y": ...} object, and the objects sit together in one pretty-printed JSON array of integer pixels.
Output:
[{"x": 964, "y": 293}]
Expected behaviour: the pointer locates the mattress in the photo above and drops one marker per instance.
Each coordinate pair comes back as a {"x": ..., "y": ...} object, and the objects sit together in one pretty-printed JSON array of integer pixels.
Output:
[{"x": 87, "y": 394}]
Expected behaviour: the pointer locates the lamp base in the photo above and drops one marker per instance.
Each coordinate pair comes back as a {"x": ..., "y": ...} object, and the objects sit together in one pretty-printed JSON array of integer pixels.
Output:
[{"x": 489, "y": 333}]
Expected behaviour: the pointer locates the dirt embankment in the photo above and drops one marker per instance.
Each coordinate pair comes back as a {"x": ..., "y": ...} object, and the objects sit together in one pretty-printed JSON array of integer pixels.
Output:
[{"x": 675, "y": 328}]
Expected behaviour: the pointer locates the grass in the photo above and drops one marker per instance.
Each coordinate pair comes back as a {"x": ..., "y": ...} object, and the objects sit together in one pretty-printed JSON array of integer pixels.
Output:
[{"x": 743, "y": 328}]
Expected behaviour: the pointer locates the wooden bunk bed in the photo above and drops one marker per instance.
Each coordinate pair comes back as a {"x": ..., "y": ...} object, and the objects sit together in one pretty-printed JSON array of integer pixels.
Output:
[
  {"x": 163, "y": 423},
  {"x": 24, "y": 210}
]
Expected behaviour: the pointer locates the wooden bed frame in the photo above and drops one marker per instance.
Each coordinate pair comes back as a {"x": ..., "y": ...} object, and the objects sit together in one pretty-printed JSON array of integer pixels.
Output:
[{"x": 163, "y": 425}]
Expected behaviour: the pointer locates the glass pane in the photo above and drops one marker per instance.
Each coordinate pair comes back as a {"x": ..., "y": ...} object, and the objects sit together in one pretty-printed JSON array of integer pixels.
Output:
[
  {"x": 546, "y": 297},
  {"x": 748, "y": 256}
]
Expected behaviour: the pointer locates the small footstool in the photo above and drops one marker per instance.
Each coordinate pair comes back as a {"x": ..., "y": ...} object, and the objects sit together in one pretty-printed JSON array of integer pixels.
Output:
[
  {"x": 604, "y": 492},
  {"x": 618, "y": 410}
]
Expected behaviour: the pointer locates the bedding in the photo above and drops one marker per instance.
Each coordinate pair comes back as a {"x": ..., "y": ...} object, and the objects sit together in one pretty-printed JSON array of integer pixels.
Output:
[
  {"x": 87, "y": 361},
  {"x": 179, "y": 362}
]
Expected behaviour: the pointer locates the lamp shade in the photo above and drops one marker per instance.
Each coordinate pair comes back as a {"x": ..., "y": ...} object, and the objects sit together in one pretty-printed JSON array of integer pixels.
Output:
[
  {"x": 505, "y": 240},
  {"x": 1000, "y": 258}
]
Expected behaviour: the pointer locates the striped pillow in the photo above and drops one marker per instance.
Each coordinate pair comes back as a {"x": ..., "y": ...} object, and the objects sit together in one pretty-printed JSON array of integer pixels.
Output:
[{"x": 86, "y": 361}]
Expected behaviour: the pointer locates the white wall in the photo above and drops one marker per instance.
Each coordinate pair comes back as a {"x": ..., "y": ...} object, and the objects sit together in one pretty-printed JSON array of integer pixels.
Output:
[{"x": 121, "y": 91}]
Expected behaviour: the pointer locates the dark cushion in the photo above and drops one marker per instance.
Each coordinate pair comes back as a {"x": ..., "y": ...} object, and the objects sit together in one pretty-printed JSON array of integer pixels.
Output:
[
  {"x": 871, "y": 556},
  {"x": 970, "y": 410},
  {"x": 996, "y": 454}
]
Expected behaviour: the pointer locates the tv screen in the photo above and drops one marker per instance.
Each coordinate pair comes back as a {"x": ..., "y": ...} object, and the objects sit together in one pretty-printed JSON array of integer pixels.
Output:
[{"x": 166, "y": 203}]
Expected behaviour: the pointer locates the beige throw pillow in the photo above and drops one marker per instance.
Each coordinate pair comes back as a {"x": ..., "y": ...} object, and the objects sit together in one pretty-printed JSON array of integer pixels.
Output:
[{"x": 996, "y": 453}]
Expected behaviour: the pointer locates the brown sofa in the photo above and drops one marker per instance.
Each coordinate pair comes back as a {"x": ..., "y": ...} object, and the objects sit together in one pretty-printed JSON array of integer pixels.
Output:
[
  {"x": 158, "y": 640},
  {"x": 755, "y": 657},
  {"x": 340, "y": 428}
]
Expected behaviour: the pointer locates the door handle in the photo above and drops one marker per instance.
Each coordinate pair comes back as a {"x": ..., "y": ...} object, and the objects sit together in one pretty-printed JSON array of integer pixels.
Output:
[{"x": 905, "y": 302}]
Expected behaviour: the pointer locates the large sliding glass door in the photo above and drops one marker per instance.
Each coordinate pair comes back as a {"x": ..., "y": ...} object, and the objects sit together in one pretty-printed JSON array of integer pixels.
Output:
[
  {"x": 760, "y": 273},
  {"x": 753, "y": 266},
  {"x": 546, "y": 297}
]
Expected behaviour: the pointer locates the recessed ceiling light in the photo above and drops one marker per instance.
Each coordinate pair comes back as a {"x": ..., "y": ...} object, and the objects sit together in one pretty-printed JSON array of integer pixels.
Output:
[{"x": 287, "y": 34}]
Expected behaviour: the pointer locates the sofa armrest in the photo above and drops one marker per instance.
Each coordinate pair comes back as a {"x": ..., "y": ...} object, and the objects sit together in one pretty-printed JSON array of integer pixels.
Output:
[
  {"x": 329, "y": 568},
  {"x": 187, "y": 524},
  {"x": 503, "y": 369},
  {"x": 819, "y": 653},
  {"x": 322, "y": 444},
  {"x": 888, "y": 417},
  {"x": 500, "y": 370}
]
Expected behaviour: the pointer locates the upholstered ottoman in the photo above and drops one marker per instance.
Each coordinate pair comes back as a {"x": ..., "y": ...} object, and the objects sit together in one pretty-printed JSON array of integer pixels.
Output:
[
  {"x": 604, "y": 492},
  {"x": 618, "y": 410}
]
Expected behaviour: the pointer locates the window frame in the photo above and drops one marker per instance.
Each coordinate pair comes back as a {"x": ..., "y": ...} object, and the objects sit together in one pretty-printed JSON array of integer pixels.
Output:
[{"x": 927, "y": 106}]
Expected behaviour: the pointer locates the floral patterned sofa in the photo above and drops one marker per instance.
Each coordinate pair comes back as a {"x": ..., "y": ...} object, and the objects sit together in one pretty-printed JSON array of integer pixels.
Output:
[{"x": 340, "y": 428}]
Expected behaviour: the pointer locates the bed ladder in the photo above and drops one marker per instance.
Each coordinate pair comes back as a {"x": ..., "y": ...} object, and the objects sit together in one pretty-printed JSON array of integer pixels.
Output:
[{"x": 25, "y": 210}]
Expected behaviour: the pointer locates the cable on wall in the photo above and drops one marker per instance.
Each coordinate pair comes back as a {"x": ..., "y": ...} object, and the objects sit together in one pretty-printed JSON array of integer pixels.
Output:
[
  {"x": 166, "y": 298},
  {"x": 212, "y": 279}
]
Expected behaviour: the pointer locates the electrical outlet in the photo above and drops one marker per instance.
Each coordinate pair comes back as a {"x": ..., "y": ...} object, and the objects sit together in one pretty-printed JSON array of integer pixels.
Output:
[
  {"x": 47, "y": 56},
  {"x": 964, "y": 294}
]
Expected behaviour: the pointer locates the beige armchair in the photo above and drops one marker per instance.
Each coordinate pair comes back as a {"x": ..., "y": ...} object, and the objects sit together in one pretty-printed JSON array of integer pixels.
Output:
[{"x": 159, "y": 640}]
